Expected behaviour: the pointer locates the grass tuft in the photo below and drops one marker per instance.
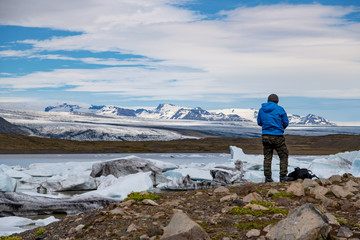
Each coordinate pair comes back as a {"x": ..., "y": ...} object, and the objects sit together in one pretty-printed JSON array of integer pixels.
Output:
[
  {"x": 9, "y": 238},
  {"x": 139, "y": 196},
  {"x": 39, "y": 232},
  {"x": 282, "y": 194},
  {"x": 257, "y": 213}
]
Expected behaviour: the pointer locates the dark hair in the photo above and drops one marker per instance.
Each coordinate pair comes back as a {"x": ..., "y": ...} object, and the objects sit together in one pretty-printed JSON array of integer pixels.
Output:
[{"x": 273, "y": 98}]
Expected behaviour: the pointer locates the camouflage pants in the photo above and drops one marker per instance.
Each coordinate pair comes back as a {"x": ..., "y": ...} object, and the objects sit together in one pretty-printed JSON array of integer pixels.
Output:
[{"x": 271, "y": 143}]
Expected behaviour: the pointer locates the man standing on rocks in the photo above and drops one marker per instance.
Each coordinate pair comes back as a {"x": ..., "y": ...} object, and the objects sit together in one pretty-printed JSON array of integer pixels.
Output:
[{"x": 274, "y": 120}]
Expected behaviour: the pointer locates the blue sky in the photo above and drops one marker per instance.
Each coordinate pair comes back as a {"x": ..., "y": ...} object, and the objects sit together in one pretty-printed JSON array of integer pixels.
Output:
[{"x": 207, "y": 53}]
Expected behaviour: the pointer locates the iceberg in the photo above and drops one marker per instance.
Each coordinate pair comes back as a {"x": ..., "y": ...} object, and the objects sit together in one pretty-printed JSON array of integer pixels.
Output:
[
  {"x": 82, "y": 182},
  {"x": 7, "y": 184},
  {"x": 121, "y": 187},
  {"x": 13, "y": 224},
  {"x": 340, "y": 163},
  {"x": 20, "y": 204}
]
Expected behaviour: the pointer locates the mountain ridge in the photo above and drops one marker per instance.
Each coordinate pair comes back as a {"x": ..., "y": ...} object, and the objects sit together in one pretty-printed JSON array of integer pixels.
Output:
[{"x": 173, "y": 112}]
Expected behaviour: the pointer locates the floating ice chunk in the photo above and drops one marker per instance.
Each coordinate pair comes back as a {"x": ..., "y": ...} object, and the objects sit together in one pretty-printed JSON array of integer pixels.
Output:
[
  {"x": 10, "y": 225},
  {"x": 247, "y": 159},
  {"x": 194, "y": 173},
  {"x": 123, "y": 186},
  {"x": 14, "y": 172},
  {"x": 7, "y": 184},
  {"x": 164, "y": 166},
  {"x": 355, "y": 169},
  {"x": 333, "y": 164},
  {"x": 70, "y": 183},
  {"x": 348, "y": 156},
  {"x": 237, "y": 154},
  {"x": 172, "y": 175},
  {"x": 254, "y": 176},
  {"x": 53, "y": 169},
  {"x": 46, "y": 221}
]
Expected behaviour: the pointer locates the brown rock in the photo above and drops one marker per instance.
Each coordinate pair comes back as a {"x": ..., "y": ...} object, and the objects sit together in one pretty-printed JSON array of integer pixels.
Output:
[
  {"x": 231, "y": 197},
  {"x": 340, "y": 192},
  {"x": 173, "y": 203},
  {"x": 346, "y": 205},
  {"x": 335, "y": 179},
  {"x": 221, "y": 189},
  {"x": 326, "y": 202},
  {"x": 132, "y": 228},
  {"x": 309, "y": 183},
  {"x": 332, "y": 219},
  {"x": 182, "y": 227},
  {"x": 345, "y": 232},
  {"x": 357, "y": 204},
  {"x": 271, "y": 192},
  {"x": 319, "y": 192},
  {"x": 118, "y": 211},
  {"x": 306, "y": 223},
  {"x": 253, "y": 233},
  {"x": 246, "y": 188},
  {"x": 324, "y": 181},
  {"x": 127, "y": 203},
  {"x": 296, "y": 188},
  {"x": 149, "y": 202},
  {"x": 252, "y": 197},
  {"x": 256, "y": 207}
]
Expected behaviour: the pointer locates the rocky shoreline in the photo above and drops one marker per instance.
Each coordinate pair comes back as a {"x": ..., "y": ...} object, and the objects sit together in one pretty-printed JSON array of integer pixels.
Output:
[{"x": 242, "y": 211}]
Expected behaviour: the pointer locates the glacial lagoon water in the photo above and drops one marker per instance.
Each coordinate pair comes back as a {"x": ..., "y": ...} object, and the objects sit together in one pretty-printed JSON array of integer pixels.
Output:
[{"x": 24, "y": 160}]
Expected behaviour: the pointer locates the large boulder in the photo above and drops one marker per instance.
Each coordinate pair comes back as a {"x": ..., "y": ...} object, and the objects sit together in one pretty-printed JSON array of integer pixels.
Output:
[
  {"x": 306, "y": 223},
  {"x": 181, "y": 227},
  {"x": 126, "y": 166}
]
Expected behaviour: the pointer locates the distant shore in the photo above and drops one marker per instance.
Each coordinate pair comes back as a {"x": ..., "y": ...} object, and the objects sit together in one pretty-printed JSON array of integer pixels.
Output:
[{"x": 298, "y": 145}]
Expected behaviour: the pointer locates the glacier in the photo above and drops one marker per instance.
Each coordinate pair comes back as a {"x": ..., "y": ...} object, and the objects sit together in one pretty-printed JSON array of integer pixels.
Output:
[{"x": 166, "y": 122}]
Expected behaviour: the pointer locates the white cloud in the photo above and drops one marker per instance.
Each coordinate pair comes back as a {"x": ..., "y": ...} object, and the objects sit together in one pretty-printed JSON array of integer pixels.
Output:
[
  {"x": 16, "y": 100},
  {"x": 294, "y": 50}
]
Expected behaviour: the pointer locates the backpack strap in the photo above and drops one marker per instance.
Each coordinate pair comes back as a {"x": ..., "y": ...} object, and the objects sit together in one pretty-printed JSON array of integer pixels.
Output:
[{"x": 313, "y": 175}]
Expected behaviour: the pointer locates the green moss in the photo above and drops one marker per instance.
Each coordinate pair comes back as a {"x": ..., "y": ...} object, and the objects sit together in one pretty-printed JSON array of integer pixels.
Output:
[
  {"x": 139, "y": 196},
  {"x": 204, "y": 226},
  {"x": 255, "y": 224},
  {"x": 282, "y": 194},
  {"x": 39, "y": 232},
  {"x": 344, "y": 223},
  {"x": 9, "y": 238},
  {"x": 222, "y": 235},
  {"x": 264, "y": 204},
  {"x": 245, "y": 211},
  {"x": 275, "y": 210}
]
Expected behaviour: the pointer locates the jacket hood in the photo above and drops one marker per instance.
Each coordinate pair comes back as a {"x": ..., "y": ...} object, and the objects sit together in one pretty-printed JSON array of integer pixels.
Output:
[{"x": 268, "y": 107}]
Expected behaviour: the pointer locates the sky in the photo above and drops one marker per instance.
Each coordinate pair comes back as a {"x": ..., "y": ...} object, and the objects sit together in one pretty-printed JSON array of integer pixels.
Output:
[{"x": 193, "y": 53}]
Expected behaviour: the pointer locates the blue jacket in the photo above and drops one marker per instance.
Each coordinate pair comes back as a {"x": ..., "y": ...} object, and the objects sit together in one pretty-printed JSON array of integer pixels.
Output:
[{"x": 272, "y": 118}]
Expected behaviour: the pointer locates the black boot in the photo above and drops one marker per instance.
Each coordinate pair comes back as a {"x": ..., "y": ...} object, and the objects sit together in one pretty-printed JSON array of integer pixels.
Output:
[
  {"x": 284, "y": 178},
  {"x": 268, "y": 179}
]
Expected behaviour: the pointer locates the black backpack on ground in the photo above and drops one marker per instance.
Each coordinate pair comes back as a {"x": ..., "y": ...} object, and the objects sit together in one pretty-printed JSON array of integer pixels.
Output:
[{"x": 301, "y": 173}]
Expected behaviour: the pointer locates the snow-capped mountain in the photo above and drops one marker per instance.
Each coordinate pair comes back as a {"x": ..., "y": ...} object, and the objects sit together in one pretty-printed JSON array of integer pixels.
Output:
[{"x": 169, "y": 111}]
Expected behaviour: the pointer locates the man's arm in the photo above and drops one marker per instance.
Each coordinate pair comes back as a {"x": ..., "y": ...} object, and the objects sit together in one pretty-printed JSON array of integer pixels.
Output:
[
  {"x": 259, "y": 118},
  {"x": 285, "y": 120}
]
